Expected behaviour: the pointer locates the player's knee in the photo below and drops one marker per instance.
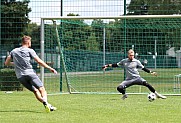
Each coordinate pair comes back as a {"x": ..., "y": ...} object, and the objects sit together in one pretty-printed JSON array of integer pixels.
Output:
[
  {"x": 41, "y": 89},
  {"x": 35, "y": 90},
  {"x": 145, "y": 83},
  {"x": 120, "y": 88}
]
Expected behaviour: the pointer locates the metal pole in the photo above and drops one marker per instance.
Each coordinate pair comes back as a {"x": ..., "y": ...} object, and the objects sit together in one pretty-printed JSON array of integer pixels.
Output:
[
  {"x": 124, "y": 7},
  {"x": 104, "y": 46},
  {"x": 62, "y": 57},
  {"x": 61, "y": 13},
  {"x": 155, "y": 52},
  {"x": 0, "y": 23},
  {"x": 61, "y": 70},
  {"x": 125, "y": 52},
  {"x": 42, "y": 50}
]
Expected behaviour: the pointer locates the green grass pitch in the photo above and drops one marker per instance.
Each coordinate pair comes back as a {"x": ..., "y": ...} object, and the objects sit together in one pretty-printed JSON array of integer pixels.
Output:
[
  {"x": 22, "y": 107},
  {"x": 107, "y": 83}
]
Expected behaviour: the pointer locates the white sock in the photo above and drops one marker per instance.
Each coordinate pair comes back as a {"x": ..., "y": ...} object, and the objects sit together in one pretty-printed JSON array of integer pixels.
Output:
[{"x": 157, "y": 93}]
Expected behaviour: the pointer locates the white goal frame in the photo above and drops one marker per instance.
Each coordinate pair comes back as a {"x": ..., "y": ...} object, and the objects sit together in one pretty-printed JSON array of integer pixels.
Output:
[{"x": 53, "y": 18}]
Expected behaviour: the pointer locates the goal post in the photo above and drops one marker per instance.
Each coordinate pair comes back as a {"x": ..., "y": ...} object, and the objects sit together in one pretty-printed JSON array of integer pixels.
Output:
[
  {"x": 62, "y": 56},
  {"x": 82, "y": 45}
]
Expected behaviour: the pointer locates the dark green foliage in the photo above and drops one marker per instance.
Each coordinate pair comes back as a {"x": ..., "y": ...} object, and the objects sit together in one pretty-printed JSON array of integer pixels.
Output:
[
  {"x": 8, "y": 80},
  {"x": 14, "y": 21},
  {"x": 75, "y": 33},
  {"x": 153, "y": 7},
  {"x": 33, "y": 30}
]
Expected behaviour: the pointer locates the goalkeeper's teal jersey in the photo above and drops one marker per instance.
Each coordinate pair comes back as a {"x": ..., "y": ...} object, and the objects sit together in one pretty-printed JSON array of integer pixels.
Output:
[{"x": 131, "y": 67}]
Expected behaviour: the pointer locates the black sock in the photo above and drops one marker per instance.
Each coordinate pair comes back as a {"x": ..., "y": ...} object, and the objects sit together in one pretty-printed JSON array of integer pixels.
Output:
[{"x": 44, "y": 103}]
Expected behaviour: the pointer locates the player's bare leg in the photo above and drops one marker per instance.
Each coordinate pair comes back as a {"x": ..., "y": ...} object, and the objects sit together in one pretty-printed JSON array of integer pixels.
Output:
[
  {"x": 41, "y": 95},
  {"x": 38, "y": 95}
]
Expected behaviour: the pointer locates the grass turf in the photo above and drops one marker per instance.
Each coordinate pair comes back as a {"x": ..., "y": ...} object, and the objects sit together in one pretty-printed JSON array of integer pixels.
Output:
[
  {"x": 107, "y": 82},
  {"x": 22, "y": 107}
]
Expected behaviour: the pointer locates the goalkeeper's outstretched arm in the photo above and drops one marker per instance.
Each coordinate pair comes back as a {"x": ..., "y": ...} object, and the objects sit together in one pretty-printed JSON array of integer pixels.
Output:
[
  {"x": 109, "y": 65},
  {"x": 149, "y": 71}
]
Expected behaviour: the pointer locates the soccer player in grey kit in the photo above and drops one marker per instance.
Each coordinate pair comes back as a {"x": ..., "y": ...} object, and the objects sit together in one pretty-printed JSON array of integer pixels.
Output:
[
  {"x": 131, "y": 66},
  {"x": 20, "y": 59}
]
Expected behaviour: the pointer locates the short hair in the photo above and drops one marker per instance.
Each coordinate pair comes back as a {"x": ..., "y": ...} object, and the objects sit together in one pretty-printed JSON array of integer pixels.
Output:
[
  {"x": 130, "y": 51},
  {"x": 25, "y": 39}
]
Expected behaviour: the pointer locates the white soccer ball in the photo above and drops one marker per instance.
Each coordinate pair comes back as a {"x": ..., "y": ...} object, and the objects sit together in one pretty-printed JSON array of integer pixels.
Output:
[{"x": 151, "y": 97}]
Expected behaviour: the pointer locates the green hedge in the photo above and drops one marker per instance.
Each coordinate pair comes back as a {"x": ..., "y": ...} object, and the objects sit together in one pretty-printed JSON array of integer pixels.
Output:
[{"x": 8, "y": 80}]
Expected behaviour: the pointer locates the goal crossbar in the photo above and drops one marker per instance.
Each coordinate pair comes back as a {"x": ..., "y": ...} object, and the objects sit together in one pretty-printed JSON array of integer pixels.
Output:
[{"x": 110, "y": 17}]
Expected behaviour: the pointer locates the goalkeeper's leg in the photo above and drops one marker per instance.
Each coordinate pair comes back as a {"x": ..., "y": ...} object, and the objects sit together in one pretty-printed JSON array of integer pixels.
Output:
[
  {"x": 153, "y": 90},
  {"x": 139, "y": 81},
  {"x": 122, "y": 89}
]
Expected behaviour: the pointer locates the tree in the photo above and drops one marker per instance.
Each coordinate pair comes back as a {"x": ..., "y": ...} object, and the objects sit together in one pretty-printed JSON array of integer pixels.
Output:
[
  {"x": 154, "y": 7},
  {"x": 8, "y": 1},
  {"x": 153, "y": 29},
  {"x": 14, "y": 21},
  {"x": 73, "y": 33},
  {"x": 97, "y": 28},
  {"x": 91, "y": 43},
  {"x": 33, "y": 30},
  {"x": 136, "y": 7}
]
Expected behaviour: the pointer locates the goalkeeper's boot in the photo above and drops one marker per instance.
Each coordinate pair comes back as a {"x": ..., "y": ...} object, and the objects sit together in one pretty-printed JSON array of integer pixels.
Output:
[
  {"x": 52, "y": 108},
  {"x": 159, "y": 95},
  {"x": 124, "y": 97}
]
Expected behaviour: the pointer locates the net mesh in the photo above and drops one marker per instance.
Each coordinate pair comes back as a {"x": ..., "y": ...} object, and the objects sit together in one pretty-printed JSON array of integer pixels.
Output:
[{"x": 88, "y": 44}]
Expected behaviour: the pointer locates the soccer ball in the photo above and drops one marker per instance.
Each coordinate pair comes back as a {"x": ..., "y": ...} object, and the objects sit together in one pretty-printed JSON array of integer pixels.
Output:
[{"x": 151, "y": 97}]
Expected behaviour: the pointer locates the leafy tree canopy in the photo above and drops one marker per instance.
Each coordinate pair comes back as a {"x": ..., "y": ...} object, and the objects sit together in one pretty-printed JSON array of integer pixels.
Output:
[{"x": 14, "y": 21}]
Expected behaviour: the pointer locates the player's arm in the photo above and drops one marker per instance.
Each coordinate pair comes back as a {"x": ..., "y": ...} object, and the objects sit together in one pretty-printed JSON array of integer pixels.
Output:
[
  {"x": 109, "y": 65},
  {"x": 43, "y": 64},
  {"x": 149, "y": 71},
  {"x": 8, "y": 61}
]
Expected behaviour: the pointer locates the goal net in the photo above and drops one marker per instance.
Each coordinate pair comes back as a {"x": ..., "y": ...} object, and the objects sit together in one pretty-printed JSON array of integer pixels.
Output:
[{"x": 78, "y": 47}]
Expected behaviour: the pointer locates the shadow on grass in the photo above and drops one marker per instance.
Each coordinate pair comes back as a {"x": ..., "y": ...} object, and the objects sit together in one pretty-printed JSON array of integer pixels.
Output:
[{"x": 21, "y": 111}]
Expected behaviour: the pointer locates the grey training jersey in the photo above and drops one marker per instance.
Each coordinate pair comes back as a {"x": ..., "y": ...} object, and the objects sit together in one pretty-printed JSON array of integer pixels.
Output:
[
  {"x": 21, "y": 57},
  {"x": 131, "y": 67}
]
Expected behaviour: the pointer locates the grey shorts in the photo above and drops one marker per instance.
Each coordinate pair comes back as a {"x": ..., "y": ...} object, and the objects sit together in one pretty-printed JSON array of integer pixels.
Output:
[
  {"x": 135, "y": 81},
  {"x": 31, "y": 82}
]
